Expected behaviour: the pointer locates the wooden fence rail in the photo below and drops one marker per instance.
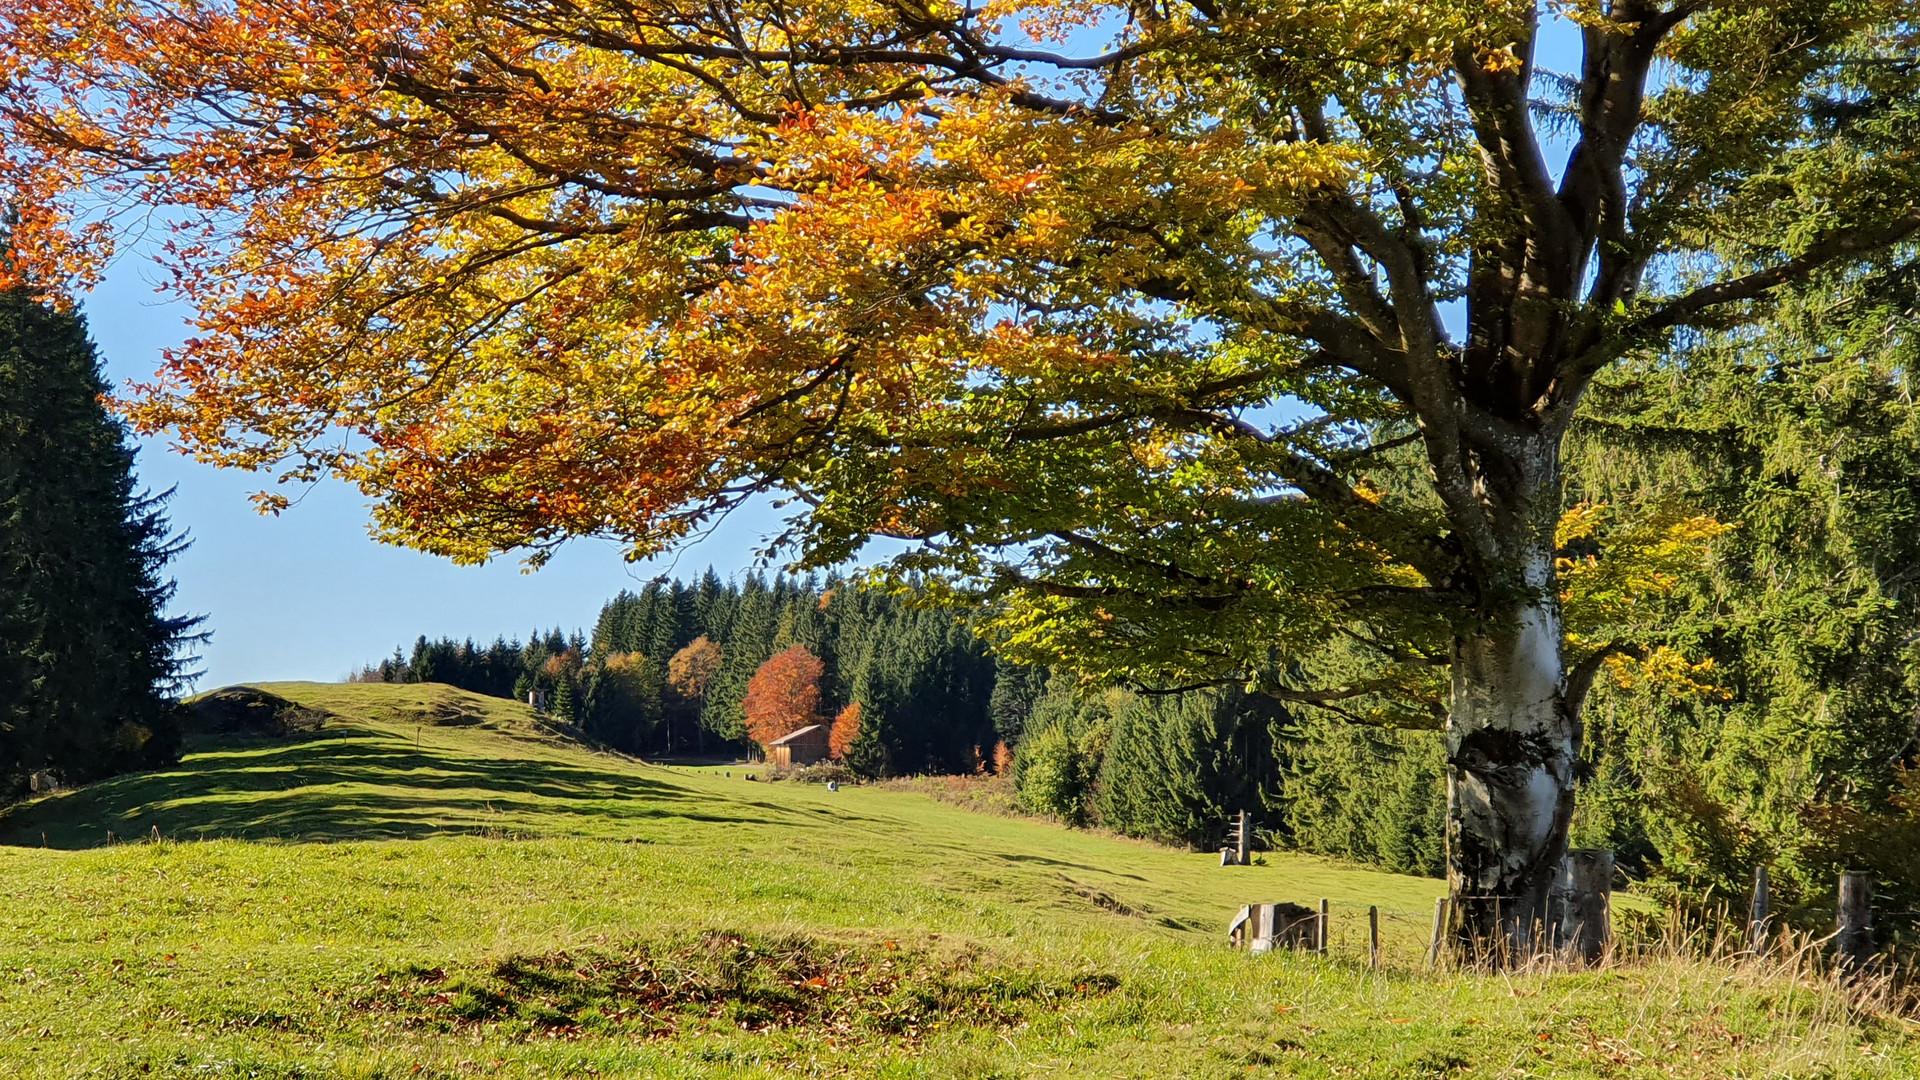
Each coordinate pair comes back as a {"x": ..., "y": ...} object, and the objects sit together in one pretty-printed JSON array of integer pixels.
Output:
[{"x": 1578, "y": 928}]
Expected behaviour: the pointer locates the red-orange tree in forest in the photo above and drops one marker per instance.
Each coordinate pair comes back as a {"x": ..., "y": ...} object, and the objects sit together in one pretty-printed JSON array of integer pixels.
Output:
[
  {"x": 784, "y": 695},
  {"x": 1002, "y": 759},
  {"x": 846, "y": 728}
]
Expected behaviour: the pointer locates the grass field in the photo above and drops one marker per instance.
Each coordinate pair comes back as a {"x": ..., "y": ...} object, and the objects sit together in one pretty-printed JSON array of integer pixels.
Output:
[{"x": 433, "y": 886}]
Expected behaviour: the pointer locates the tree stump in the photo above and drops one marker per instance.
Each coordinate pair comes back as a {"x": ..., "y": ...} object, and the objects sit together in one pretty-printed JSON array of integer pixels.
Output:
[
  {"x": 1585, "y": 892},
  {"x": 1261, "y": 927}
]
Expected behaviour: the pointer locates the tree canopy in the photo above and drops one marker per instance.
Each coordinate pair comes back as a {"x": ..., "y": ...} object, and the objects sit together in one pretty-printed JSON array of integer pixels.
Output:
[
  {"x": 784, "y": 695},
  {"x": 609, "y": 269}
]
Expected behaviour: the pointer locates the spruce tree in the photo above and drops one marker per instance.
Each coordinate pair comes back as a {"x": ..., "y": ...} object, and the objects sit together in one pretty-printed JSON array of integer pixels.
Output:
[
  {"x": 746, "y": 644},
  {"x": 1015, "y": 689},
  {"x": 89, "y": 661},
  {"x": 1808, "y": 435}
]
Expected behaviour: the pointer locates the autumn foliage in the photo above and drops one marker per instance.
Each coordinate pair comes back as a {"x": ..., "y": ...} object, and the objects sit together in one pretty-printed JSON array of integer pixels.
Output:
[
  {"x": 846, "y": 728},
  {"x": 784, "y": 695},
  {"x": 1002, "y": 759},
  {"x": 691, "y": 670}
]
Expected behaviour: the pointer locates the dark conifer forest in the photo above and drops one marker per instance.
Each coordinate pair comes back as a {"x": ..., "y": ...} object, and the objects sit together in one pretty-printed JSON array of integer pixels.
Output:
[
  {"x": 89, "y": 659},
  {"x": 923, "y": 677}
]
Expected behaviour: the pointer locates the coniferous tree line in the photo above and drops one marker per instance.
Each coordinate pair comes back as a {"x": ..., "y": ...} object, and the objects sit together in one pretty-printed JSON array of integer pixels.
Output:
[
  {"x": 504, "y": 668},
  {"x": 1798, "y": 754},
  {"x": 90, "y": 662},
  {"x": 666, "y": 670}
]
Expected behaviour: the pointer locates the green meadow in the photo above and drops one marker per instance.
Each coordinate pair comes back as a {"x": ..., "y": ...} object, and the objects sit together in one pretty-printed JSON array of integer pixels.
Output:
[{"x": 434, "y": 885}]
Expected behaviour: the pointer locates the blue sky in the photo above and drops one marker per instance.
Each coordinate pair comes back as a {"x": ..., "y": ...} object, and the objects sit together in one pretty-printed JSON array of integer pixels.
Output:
[{"x": 308, "y": 595}]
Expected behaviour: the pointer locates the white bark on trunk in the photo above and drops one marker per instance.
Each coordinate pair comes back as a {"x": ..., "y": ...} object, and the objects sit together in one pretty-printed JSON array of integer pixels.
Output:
[{"x": 1511, "y": 748}]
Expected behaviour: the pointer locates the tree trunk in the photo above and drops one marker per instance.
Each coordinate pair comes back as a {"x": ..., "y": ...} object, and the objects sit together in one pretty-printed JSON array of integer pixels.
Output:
[{"x": 1512, "y": 742}]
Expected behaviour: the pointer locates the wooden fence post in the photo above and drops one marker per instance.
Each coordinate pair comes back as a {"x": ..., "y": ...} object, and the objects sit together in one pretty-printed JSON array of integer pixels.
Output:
[
  {"x": 1240, "y": 927},
  {"x": 1439, "y": 930},
  {"x": 1586, "y": 923},
  {"x": 1373, "y": 935},
  {"x": 1243, "y": 841},
  {"x": 1854, "y": 942},
  {"x": 1321, "y": 929},
  {"x": 1758, "y": 913}
]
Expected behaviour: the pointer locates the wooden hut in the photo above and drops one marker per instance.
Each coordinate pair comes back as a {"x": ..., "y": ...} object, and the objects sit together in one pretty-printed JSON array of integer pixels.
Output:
[{"x": 802, "y": 747}]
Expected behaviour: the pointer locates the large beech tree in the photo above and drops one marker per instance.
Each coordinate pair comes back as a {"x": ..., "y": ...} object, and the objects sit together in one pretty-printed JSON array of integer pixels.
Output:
[{"x": 528, "y": 269}]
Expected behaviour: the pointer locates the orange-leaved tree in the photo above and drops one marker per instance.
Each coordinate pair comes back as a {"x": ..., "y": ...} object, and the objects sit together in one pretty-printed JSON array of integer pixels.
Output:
[
  {"x": 784, "y": 695},
  {"x": 846, "y": 728},
  {"x": 1242, "y": 329},
  {"x": 691, "y": 670},
  {"x": 689, "y": 673}
]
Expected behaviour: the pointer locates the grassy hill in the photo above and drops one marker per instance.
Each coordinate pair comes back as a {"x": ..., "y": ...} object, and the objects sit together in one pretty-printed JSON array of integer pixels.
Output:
[{"x": 434, "y": 885}]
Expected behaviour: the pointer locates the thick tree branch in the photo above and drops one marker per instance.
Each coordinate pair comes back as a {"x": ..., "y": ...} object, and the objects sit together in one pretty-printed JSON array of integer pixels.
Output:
[
  {"x": 1681, "y": 311},
  {"x": 1581, "y": 676},
  {"x": 1171, "y": 572},
  {"x": 1208, "y": 603},
  {"x": 1619, "y": 59},
  {"x": 1497, "y": 102}
]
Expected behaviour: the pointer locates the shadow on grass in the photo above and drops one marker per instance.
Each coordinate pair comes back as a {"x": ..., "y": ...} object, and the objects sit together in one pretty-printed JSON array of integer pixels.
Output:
[
  {"x": 1045, "y": 861},
  {"x": 347, "y": 784}
]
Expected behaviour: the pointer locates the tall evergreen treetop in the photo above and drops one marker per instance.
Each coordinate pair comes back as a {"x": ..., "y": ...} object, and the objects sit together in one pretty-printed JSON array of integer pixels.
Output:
[{"x": 89, "y": 661}]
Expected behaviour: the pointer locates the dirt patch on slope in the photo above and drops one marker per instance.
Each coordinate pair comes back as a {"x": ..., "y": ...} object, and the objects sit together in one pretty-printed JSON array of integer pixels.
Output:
[
  {"x": 448, "y": 711},
  {"x": 246, "y": 710},
  {"x": 725, "y": 980}
]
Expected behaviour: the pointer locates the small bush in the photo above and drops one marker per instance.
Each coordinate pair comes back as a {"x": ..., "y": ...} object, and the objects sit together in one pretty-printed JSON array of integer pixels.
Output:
[
  {"x": 818, "y": 773},
  {"x": 980, "y": 794},
  {"x": 1054, "y": 776}
]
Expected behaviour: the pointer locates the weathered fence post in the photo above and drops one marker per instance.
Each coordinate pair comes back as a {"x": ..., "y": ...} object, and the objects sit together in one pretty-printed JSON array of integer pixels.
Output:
[
  {"x": 1373, "y": 935},
  {"x": 1758, "y": 913},
  {"x": 1586, "y": 924},
  {"x": 1264, "y": 926},
  {"x": 1854, "y": 942},
  {"x": 1241, "y": 927},
  {"x": 1320, "y": 930},
  {"x": 1239, "y": 849},
  {"x": 1439, "y": 930}
]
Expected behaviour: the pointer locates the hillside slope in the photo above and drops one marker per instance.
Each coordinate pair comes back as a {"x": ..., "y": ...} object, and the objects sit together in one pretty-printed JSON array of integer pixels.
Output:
[
  {"x": 417, "y": 761},
  {"x": 432, "y": 885}
]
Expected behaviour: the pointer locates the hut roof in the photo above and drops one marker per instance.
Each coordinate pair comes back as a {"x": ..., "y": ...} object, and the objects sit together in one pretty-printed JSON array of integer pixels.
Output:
[{"x": 792, "y": 735}]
